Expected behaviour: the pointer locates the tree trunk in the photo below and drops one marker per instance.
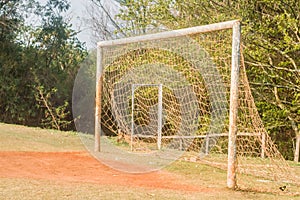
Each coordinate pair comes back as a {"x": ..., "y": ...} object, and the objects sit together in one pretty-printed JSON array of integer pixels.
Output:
[{"x": 296, "y": 154}]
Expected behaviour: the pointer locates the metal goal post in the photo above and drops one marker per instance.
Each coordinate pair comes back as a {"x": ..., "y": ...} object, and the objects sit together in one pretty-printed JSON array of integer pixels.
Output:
[{"x": 235, "y": 68}]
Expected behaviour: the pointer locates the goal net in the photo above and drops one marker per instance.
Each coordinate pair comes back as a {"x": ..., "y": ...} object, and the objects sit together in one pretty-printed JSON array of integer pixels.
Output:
[{"x": 171, "y": 92}]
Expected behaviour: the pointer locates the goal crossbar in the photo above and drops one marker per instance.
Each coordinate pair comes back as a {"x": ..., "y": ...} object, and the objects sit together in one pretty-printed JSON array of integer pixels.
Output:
[{"x": 170, "y": 34}]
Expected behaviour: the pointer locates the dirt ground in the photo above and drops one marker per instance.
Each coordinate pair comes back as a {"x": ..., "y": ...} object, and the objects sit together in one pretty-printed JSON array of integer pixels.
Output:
[
  {"x": 81, "y": 167},
  {"x": 47, "y": 164}
]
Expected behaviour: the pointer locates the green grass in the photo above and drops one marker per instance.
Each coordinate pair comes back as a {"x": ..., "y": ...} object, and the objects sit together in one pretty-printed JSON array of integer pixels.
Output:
[{"x": 20, "y": 138}]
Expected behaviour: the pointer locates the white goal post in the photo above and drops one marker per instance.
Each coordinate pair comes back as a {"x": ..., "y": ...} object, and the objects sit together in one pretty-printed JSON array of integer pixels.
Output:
[
  {"x": 235, "y": 64},
  {"x": 159, "y": 112}
]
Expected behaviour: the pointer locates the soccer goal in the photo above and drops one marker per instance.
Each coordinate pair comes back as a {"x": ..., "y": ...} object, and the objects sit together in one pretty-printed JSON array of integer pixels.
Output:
[{"x": 185, "y": 90}]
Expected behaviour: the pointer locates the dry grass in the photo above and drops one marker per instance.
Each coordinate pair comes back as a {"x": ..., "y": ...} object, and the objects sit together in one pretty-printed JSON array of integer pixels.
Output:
[
  {"x": 42, "y": 189},
  {"x": 19, "y": 138}
]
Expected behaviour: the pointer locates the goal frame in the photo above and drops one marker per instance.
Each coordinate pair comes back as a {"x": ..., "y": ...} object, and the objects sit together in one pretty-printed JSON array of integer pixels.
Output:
[
  {"x": 159, "y": 111},
  {"x": 234, "y": 82}
]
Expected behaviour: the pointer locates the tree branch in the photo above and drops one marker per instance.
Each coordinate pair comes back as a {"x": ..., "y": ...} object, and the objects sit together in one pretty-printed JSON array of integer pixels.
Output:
[
  {"x": 115, "y": 24},
  {"x": 44, "y": 100}
]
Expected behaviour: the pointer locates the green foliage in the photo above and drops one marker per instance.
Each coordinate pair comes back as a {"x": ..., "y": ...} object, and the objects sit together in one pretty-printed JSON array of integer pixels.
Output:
[
  {"x": 272, "y": 53},
  {"x": 271, "y": 48},
  {"x": 137, "y": 15},
  {"x": 38, "y": 64}
]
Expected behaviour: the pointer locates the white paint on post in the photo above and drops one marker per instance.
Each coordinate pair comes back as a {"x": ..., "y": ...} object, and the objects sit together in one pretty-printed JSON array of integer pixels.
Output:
[
  {"x": 233, "y": 113},
  {"x": 132, "y": 116},
  {"x": 297, "y": 150},
  {"x": 98, "y": 99},
  {"x": 206, "y": 144},
  {"x": 160, "y": 108}
]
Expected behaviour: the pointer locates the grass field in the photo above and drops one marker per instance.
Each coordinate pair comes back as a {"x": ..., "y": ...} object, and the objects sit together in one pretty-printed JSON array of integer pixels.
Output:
[{"x": 48, "y": 164}]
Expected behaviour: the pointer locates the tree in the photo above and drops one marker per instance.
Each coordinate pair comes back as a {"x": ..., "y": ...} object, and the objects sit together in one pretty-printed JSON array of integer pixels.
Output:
[
  {"x": 101, "y": 18},
  {"x": 37, "y": 77},
  {"x": 11, "y": 22},
  {"x": 121, "y": 18},
  {"x": 271, "y": 50},
  {"x": 59, "y": 54},
  {"x": 272, "y": 40},
  {"x": 272, "y": 47}
]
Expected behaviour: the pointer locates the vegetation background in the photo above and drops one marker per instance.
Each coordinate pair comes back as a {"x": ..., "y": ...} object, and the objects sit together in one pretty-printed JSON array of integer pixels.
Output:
[{"x": 40, "y": 59}]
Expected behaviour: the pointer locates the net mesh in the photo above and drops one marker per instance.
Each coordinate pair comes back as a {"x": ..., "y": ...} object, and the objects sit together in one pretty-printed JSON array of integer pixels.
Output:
[{"x": 192, "y": 116}]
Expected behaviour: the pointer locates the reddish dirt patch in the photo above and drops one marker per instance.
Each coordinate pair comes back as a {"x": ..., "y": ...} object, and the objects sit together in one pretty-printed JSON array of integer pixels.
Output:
[{"x": 81, "y": 167}]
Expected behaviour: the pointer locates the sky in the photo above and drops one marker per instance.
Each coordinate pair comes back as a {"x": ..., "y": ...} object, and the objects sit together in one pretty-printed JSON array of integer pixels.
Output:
[{"x": 78, "y": 13}]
